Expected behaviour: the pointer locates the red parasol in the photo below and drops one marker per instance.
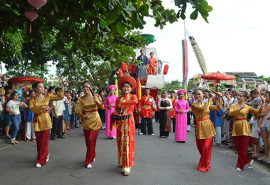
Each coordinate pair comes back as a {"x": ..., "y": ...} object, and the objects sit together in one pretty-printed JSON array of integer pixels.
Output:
[
  {"x": 21, "y": 79},
  {"x": 217, "y": 77}
]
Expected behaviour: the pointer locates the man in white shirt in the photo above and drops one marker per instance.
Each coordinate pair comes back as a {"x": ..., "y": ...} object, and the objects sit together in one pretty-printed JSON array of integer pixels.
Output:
[{"x": 57, "y": 117}]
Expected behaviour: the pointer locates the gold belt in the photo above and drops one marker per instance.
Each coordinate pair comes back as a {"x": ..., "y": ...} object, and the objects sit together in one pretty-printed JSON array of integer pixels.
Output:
[{"x": 146, "y": 106}]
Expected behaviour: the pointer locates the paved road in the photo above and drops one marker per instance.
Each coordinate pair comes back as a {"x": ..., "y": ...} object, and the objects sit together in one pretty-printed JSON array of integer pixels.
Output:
[{"x": 158, "y": 161}]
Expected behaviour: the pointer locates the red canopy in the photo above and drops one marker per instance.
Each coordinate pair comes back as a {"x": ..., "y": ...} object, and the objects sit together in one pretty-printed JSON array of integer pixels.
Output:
[
  {"x": 217, "y": 77},
  {"x": 21, "y": 79}
]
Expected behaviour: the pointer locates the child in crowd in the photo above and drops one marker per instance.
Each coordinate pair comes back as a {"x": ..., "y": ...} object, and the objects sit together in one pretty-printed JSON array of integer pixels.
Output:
[
  {"x": 29, "y": 116},
  {"x": 74, "y": 116},
  {"x": 255, "y": 136}
]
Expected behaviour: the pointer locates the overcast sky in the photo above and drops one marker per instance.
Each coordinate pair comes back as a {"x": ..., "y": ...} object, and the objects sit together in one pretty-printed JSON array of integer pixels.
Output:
[{"x": 235, "y": 39}]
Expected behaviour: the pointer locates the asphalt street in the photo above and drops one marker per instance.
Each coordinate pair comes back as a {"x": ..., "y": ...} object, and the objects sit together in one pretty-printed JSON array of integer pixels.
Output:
[{"x": 158, "y": 161}]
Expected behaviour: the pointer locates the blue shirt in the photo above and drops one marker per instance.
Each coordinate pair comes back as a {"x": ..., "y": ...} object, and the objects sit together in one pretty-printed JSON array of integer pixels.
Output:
[
  {"x": 218, "y": 117},
  {"x": 145, "y": 59},
  {"x": 29, "y": 115}
]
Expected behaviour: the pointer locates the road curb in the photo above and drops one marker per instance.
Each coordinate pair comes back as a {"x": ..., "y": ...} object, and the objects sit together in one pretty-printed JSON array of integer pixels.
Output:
[{"x": 264, "y": 162}]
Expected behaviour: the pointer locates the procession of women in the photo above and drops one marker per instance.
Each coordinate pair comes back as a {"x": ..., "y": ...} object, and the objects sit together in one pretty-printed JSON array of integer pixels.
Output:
[{"x": 172, "y": 110}]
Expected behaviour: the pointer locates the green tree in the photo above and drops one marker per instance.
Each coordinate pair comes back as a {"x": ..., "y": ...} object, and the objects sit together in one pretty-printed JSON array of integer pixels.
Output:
[
  {"x": 71, "y": 33},
  {"x": 171, "y": 86},
  {"x": 190, "y": 85},
  {"x": 267, "y": 79}
]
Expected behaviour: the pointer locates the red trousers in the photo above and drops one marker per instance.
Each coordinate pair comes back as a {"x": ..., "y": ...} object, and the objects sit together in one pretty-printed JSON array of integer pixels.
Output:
[
  {"x": 42, "y": 140},
  {"x": 241, "y": 144},
  {"x": 90, "y": 141},
  {"x": 205, "y": 148}
]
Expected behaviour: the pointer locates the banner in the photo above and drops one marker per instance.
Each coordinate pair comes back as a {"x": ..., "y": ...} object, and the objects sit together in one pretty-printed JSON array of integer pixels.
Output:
[{"x": 185, "y": 65}]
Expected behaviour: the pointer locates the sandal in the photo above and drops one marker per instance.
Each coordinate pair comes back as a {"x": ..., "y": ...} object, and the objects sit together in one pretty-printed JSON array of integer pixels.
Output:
[
  {"x": 229, "y": 146},
  {"x": 255, "y": 155},
  {"x": 262, "y": 158}
]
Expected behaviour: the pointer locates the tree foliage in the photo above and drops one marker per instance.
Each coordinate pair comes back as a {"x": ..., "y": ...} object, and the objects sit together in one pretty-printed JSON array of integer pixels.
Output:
[
  {"x": 267, "y": 79},
  {"x": 85, "y": 38},
  {"x": 173, "y": 85}
]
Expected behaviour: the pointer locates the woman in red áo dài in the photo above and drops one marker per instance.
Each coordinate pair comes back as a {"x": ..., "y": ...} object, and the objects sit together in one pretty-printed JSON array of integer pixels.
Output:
[{"x": 124, "y": 121}]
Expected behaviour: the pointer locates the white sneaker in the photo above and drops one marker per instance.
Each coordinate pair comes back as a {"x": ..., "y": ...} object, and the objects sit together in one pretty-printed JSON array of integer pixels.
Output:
[
  {"x": 250, "y": 164},
  {"x": 38, "y": 165},
  {"x": 48, "y": 158},
  {"x": 94, "y": 160},
  {"x": 89, "y": 166},
  {"x": 238, "y": 169},
  {"x": 141, "y": 133},
  {"x": 152, "y": 134}
]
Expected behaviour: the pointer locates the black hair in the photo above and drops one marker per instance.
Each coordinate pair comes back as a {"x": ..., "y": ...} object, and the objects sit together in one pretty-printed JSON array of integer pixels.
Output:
[
  {"x": 164, "y": 91},
  {"x": 87, "y": 81},
  {"x": 100, "y": 91},
  {"x": 173, "y": 92},
  {"x": 147, "y": 89},
  {"x": 73, "y": 100},
  {"x": 35, "y": 85},
  {"x": 79, "y": 91},
  {"x": 245, "y": 94},
  {"x": 12, "y": 95},
  {"x": 7, "y": 88},
  {"x": 268, "y": 92},
  {"x": 198, "y": 90},
  {"x": 253, "y": 92},
  {"x": 57, "y": 89},
  {"x": 141, "y": 50},
  {"x": 76, "y": 99},
  {"x": 127, "y": 83},
  {"x": 51, "y": 88},
  {"x": 152, "y": 52},
  {"x": 249, "y": 116}
]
